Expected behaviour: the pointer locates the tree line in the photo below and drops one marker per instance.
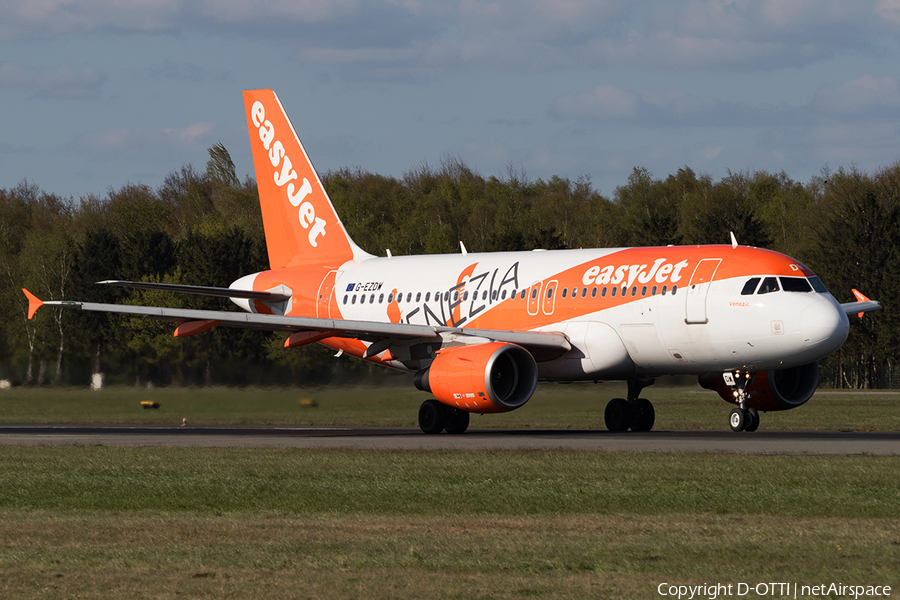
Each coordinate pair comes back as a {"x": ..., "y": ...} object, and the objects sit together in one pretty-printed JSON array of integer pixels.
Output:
[{"x": 205, "y": 228}]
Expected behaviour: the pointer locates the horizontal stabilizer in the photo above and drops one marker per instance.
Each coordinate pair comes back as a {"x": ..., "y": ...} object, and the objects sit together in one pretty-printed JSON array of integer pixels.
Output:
[{"x": 199, "y": 289}]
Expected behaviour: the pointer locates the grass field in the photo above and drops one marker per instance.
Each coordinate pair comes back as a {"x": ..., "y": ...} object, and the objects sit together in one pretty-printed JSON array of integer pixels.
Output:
[
  {"x": 102, "y": 522},
  {"x": 228, "y": 523},
  {"x": 553, "y": 405}
]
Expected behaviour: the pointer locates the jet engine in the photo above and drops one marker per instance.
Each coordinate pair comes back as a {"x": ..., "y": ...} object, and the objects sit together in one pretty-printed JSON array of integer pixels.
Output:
[
  {"x": 484, "y": 378},
  {"x": 783, "y": 389}
]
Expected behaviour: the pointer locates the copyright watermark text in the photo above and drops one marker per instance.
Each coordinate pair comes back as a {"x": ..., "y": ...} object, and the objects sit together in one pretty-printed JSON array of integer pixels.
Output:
[{"x": 771, "y": 590}]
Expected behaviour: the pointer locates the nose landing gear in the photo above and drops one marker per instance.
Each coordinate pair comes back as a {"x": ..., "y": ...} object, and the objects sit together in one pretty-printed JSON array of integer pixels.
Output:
[
  {"x": 743, "y": 420},
  {"x": 742, "y": 417}
]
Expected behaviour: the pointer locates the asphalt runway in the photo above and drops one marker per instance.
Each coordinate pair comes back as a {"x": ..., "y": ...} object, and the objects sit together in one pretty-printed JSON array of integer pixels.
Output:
[{"x": 882, "y": 443}]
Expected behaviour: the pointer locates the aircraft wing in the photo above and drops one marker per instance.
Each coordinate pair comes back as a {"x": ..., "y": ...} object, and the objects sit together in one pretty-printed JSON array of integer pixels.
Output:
[
  {"x": 193, "y": 321},
  {"x": 861, "y": 307},
  {"x": 863, "y": 304}
]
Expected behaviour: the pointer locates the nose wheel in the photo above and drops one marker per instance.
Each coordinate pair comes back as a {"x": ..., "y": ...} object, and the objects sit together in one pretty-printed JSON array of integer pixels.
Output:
[{"x": 742, "y": 417}]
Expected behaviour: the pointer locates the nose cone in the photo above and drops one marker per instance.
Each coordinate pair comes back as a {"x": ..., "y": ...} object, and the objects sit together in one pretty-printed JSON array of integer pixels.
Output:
[{"x": 824, "y": 326}]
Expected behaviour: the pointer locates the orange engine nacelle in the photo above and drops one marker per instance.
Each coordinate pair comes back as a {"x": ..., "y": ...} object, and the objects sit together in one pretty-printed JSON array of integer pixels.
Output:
[
  {"x": 783, "y": 389},
  {"x": 485, "y": 378}
]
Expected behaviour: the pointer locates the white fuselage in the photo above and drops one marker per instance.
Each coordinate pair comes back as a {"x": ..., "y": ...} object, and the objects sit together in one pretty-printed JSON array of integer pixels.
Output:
[{"x": 682, "y": 309}]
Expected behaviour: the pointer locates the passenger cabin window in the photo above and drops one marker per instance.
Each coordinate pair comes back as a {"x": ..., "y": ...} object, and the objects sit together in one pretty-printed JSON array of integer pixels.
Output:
[
  {"x": 769, "y": 284},
  {"x": 750, "y": 286},
  {"x": 795, "y": 284}
]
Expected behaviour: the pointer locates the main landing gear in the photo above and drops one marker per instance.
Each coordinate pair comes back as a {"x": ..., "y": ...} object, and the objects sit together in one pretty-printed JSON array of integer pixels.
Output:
[
  {"x": 635, "y": 413},
  {"x": 435, "y": 417},
  {"x": 742, "y": 417}
]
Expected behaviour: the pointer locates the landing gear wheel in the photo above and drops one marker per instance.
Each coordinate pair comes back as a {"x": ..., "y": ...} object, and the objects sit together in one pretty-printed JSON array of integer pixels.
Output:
[
  {"x": 432, "y": 417},
  {"x": 737, "y": 419},
  {"x": 457, "y": 421},
  {"x": 752, "y": 420},
  {"x": 617, "y": 415},
  {"x": 644, "y": 416}
]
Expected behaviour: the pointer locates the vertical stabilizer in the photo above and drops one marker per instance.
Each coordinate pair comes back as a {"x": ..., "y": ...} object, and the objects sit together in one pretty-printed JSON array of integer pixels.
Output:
[{"x": 301, "y": 225}]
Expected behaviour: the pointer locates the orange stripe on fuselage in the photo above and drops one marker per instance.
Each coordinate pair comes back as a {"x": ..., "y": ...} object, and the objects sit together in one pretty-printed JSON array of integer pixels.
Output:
[
  {"x": 629, "y": 268},
  {"x": 632, "y": 269}
]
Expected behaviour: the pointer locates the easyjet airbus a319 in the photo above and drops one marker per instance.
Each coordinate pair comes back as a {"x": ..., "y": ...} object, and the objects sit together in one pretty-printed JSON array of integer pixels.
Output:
[{"x": 478, "y": 331}]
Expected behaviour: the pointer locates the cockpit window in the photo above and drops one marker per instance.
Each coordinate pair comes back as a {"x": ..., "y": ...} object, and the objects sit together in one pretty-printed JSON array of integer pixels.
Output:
[
  {"x": 818, "y": 285},
  {"x": 795, "y": 284},
  {"x": 769, "y": 284},
  {"x": 750, "y": 286}
]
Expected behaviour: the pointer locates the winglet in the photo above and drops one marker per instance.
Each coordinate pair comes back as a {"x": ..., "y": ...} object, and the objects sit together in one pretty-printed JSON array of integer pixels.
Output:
[
  {"x": 34, "y": 303},
  {"x": 860, "y": 297}
]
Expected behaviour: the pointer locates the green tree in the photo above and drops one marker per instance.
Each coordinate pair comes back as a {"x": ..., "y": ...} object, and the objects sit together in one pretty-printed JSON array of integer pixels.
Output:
[
  {"x": 858, "y": 249},
  {"x": 650, "y": 211}
]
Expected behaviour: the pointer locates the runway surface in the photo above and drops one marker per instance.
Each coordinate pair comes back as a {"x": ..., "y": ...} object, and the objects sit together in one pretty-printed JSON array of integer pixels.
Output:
[{"x": 399, "y": 438}]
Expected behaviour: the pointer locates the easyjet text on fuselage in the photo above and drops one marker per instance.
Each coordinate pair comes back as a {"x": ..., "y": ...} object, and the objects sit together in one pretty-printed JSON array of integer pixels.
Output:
[{"x": 660, "y": 271}]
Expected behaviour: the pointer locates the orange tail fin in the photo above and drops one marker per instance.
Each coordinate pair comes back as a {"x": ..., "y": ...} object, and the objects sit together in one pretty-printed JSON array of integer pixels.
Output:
[{"x": 300, "y": 222}]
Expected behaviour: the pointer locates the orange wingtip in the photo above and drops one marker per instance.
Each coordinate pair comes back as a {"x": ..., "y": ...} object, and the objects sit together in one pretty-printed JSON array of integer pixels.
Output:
[
  {"x": 34, "y": 303},
  {"x": 860, "y": 297}
]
